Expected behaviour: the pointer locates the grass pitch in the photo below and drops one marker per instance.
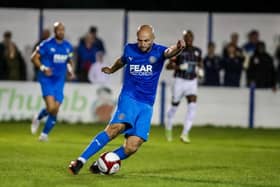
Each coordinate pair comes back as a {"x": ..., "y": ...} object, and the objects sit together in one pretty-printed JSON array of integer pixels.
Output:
[{"x": 216, "y": 157}]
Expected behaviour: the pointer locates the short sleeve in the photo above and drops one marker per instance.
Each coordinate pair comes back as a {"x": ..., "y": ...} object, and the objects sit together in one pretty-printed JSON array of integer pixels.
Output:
[
  {"x": 42, "y": 48},
  {"x": 70, "y": 53},
  {"x": 124, "y": 55}
]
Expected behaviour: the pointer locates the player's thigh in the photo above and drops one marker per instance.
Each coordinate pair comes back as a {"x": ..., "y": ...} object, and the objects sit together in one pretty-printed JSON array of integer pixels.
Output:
[
  {"x": 190, "y": 87},
  {"x": 126, "y": 111},
  {"x": 47, "y": 87},
  {"x": 143, "y": 123},
  {"x": 51, "y": 103},
  {"x": 177, "y": 91},
  {"x": 114, "y": 129}
]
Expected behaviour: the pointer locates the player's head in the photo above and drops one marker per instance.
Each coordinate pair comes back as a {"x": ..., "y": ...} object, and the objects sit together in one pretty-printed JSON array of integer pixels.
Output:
[
  {"x": 260, "y": 48},
  {"x": 188, "y": 37},
  {"x": 234, "y": 37},
  {"x": 59, "y": 30},
  {"x": 7, "y": 36},
  {"x": 211, "y": 48},
  {"x": 45, "y": 34},
  {"x": 145, "y": 37}
]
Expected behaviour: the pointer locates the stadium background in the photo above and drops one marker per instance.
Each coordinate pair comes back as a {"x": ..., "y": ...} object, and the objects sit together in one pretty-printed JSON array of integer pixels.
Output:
[{"x": 117, "y": 25}]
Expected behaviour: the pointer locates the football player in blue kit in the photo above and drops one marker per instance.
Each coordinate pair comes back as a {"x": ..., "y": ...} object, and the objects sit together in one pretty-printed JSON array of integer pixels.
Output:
[
  {"x": 53, "y": 57},
  {"x": 143, "y": 62}
]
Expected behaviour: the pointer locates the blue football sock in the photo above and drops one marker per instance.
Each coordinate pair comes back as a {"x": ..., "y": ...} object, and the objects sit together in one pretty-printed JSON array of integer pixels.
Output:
[
  {"x": 96, "y": 144},
  {"x": 49, "y": 124},
  {"x": 42, "y": 114},
  {"x": 121, "y": 153}
]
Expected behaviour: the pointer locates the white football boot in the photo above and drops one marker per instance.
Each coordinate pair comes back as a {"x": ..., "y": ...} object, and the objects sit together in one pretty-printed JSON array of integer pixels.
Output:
[
  {"x": 185, "y": 138},
  {"x": 43, "y": 137},
  {"x": 35, "y": 124}
]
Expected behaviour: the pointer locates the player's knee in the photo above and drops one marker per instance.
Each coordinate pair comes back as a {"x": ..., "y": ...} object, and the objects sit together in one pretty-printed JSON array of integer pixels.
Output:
[
  {"x": 52, "y": 110},
  {"x": 191, "y": 98},
  {"x": 114, "y": 130},
  {"x": 175, "y": 103}
]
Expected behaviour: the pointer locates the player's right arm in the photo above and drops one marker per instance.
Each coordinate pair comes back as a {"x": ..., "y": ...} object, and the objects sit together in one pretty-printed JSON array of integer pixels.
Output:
[
  {"x": 171, "y": 65},
  {"x": 35, "y": 59},
  {"x": 115, "y": 67}
]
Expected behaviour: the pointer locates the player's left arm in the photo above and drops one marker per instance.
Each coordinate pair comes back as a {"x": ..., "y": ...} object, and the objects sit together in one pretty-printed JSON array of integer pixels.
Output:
[
  {"x": 200, "y": 67},
  {"x": 175, "y": 49}
]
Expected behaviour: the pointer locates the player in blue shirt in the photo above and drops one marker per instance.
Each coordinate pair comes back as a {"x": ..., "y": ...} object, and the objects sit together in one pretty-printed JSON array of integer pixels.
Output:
[
  {"x": 53, "y": 57},
  {"x": 143, "y": 62}
]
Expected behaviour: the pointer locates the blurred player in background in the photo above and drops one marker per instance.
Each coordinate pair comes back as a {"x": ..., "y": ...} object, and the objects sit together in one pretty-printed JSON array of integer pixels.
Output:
[
  {"x": 53, "y": 57},
  {"x": 187, "y": 67},
  {"x": 143, "y": 62}
]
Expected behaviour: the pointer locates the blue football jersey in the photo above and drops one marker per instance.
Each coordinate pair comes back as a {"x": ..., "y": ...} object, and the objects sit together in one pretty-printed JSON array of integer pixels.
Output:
[
  {"x": 142, "y": 72},
  {"x": 55, "y": 56}
]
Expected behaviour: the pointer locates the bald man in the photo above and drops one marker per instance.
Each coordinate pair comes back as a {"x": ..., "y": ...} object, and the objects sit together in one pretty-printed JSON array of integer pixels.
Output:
[
  {"x": 53, "y": 59},
  {"x": 143, "y": 62}
]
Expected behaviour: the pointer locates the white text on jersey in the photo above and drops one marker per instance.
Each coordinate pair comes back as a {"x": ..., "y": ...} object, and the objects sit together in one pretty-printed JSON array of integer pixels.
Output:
[
  {"x": 141, "y": 70},
  {"x": 59, "y": 58}
]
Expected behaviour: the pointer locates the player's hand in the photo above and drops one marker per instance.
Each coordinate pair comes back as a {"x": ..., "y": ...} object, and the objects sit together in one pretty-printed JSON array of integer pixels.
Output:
[
  {"x": 48, "y": 71},
  {"x": 199, "y": 72},
  {"x": 181, "y": 44},
  {"x": 183, "y": 66},
  {"x": 106, "y": 70},
  {"x": 72, "y": 76}
]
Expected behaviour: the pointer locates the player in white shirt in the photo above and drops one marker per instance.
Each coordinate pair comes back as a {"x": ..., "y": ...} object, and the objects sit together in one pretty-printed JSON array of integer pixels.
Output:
[{"x": 187, "y": 67}]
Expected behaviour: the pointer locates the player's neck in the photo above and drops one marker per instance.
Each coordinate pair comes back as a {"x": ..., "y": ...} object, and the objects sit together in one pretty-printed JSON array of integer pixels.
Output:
[{"x": 58, "y": 40}]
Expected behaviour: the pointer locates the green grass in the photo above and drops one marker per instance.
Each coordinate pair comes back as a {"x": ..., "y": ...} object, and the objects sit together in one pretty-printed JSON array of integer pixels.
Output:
[{"x": 217, "y": 157}]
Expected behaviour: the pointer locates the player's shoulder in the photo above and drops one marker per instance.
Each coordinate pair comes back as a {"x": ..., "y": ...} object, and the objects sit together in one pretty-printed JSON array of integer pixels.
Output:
[
  {"x": 47, "y": 41},
  {"x": 130, "y": 45},
  {"x": 159, "y": 46},
  {"x": 67, "y": 43},
  {"x": 196, "y": 48}
]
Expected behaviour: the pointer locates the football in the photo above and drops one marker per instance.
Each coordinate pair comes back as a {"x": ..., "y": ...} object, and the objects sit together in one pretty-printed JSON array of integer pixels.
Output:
[{"x": 109, "y": 163}]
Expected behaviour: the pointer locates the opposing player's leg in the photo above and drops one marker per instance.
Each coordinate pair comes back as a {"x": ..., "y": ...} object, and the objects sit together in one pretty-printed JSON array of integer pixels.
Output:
[
  {"x": 190, "y": 92},
  {"x": 98, "y": 142},
  {"x": 177, "y": 94},
  {"x": 169, "y": 122},
  {"x": 190, "y": 115}
]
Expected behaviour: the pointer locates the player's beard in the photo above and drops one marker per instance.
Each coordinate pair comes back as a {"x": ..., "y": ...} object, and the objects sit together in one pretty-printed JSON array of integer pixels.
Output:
[
  {"x": 59, "y": 36},
  {"x": 145, "y": 49}
]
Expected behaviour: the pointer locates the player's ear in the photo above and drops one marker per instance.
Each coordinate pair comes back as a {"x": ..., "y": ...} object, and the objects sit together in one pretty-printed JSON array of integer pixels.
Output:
[{"x": 153, "y": 36}]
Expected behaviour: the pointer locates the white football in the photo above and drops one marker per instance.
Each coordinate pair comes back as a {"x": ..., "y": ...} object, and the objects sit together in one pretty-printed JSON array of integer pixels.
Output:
[{"x": 109, "y": 163}]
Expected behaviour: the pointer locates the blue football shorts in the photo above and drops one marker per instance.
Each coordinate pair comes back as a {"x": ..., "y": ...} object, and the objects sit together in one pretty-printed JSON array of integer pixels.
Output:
[
  {"x": 136, "y": 115},
  {"x": 53, "y": 86}
]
